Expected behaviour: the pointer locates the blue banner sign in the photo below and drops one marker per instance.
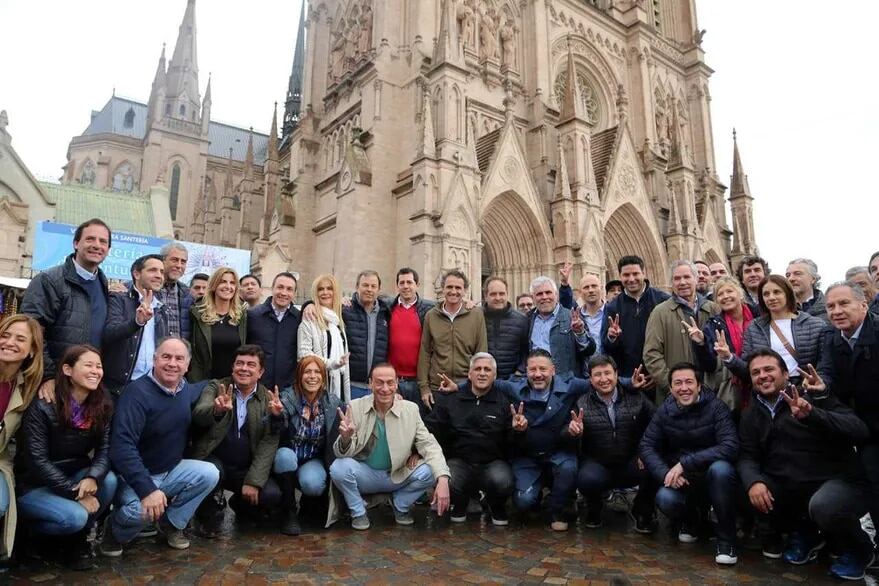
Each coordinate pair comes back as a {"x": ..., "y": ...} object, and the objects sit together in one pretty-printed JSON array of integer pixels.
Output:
[{"x": 54, "y": 241}]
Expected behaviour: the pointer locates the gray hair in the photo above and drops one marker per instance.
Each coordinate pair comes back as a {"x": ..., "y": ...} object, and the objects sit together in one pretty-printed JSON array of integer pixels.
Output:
[
  {"x": 854, "y": 271},
  {"x": 543, "y": 280},
  {"x": 811, "y": 266},
  {"x": 684, "y": 263},
  {"x": 174, "y": 245},
  {"x": 483, "y": 356},
  {"x": 179, "y": 339},
  {"x": 857, "y": 292}
]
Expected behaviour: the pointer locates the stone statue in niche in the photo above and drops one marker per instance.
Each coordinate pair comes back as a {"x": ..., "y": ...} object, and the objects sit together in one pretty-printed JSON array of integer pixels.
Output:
[
  {"x": 88, "y": 175},
  {"x": 352, "y": 37},
  {"x": 365, "y": 29},
  {"x": 338, "y": 55},
  {"x": 466, "y": 15},
  {"x": 123, "y": 180},
  {"x": 508, "y": 43},
  {"x": 488, "y": 35}
]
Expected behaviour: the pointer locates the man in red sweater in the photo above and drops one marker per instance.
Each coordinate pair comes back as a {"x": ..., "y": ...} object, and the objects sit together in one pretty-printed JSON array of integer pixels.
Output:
[{"x": 404, "y": 335}]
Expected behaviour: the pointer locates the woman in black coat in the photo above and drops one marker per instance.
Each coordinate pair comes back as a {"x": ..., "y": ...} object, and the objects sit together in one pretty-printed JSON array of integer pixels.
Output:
[{"x": 63, "y": 470}]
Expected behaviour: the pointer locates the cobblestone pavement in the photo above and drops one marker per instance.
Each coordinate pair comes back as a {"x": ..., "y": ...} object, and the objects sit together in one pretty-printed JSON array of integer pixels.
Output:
[{"x": 430, "y": 553}]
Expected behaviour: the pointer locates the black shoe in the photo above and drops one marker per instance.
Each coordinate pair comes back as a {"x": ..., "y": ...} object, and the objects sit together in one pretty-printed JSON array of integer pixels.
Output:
[
  {"x": 291, "y": 525},
  {"x": 110, "y": 546},
  {"x": 773, "y": 546},
  {"x": 79, "y": 556},
  {"x": 499, "y": 517},
  {"x": 644, "y": 524},
  {"x": 725, "y": 554},
  {"x": 593, "y": 517}
]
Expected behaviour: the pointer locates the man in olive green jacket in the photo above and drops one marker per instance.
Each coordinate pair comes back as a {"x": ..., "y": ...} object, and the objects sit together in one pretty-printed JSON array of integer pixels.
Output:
[
  {"x": 237, "y": 421},
  {"x": 667, "y": 341},
  {"x": 451, "y": 334}
]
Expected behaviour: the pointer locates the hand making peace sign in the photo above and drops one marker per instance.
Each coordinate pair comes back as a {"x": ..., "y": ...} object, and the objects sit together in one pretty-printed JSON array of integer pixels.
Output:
[
  {"x": 223, "y": 401},
  {"x": 144, "y": 311},
  {"x": 640, "y": 379},
  {"x": 575, "y": 427},
  {"x": 346, "y": 424},
  {"x": 446, "y": 385},
  {"x": 721, "y": 347},
  {"x": 799, "y": 407},
  {"x": 520, "y": 423},
  {"x": 812, "y": 381},
  {"x": 275, "y": 406},
  {"x": 614, "y": 331},
  {"x": 693, "y": 331},
  {"x": 577, "y": 322}
]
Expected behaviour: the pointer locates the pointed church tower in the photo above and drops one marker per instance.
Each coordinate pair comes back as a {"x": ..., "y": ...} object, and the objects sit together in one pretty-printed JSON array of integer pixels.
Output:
[
  {"x": 272, "y": 179},
  {"x": 293, "y": 104},
  {"x": 576, "y": 136},
  {"x": 742, "y": 205},
  {"x": 448, "y": 45},
  {"x": 206, "y": 109},
  {"x": 156, "y": 104},
  {"x": 182, "y": 79}
]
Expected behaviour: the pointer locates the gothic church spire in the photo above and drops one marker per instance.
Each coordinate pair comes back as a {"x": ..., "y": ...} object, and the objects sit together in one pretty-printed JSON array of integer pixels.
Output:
[
  {"x": 293, "y": 104},
  {"x": 739, "y": 180},
  {"x": 182, "y": 77}
]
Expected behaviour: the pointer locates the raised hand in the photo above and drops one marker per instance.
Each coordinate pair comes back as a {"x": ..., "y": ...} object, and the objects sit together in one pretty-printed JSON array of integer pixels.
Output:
[
  {"x": 614, "y": 331},
  {"x": 577, "y": 322},
  {"x": 565, "y": 272},
  {"x": 693, "y": 331},
  {"x": 144, "y": 311},
  {"x": 721, "y": 347},
  {"x": 275, "y": 406},
  {"x": 812, "y": 381},
  {"x": 346, "y": 424},
  {"x": 223, "y": 401},
  {"x": 640, "y": 379},
  {"x": 520, "y": 423},
  {"x": 343, "y": 360},
  {"x": 346, "y": 302},
  {"x": 799, "y": 407},
  {"x": 575, "y": 427},
  {"x": 446, "y": 385}
]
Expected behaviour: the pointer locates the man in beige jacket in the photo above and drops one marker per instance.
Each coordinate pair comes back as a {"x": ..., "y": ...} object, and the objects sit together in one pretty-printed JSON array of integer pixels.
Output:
[{"x": 384, "y": 447}]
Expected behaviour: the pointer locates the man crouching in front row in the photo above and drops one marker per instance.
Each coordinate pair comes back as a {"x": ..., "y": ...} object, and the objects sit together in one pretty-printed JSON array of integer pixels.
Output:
[{"x": 384, "y": 447}]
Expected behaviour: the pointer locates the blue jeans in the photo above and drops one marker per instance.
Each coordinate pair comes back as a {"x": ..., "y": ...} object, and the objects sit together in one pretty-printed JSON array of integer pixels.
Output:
[
  {"x": 185, "y": 486},
  {"x": 311, "y": 475},
  {"x": 354, "y": 479},
  {"x": 4, "y": 495},
  {"x": 719, "y": 484},
  {"x": 531, "y": 474},
  {"x": 358, "y": 390},
  {"x": 57, "y": 515}
]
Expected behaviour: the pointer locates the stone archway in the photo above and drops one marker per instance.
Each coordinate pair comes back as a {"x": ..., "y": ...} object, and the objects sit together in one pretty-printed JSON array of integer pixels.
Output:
[
  {"x": 626, "y": 232},
  {"x": 515, "y": 246}
]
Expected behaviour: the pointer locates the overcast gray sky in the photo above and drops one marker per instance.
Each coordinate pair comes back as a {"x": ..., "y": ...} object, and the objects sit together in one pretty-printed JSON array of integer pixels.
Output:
[{"x": 792, "y": 76}]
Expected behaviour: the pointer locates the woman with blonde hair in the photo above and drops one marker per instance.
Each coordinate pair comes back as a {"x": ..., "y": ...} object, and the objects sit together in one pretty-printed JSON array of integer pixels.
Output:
[
  {"x": 21, "y": 371},
  {"x": 325, "y": 335},
  {"x": 732, "y": 322},
  {"x": 219, "y": 327}
]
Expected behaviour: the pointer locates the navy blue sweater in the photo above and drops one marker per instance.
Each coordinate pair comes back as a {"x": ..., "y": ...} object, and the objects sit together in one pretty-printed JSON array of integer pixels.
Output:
[
  {"x": 98, "y": 316},
  {"x": 150, "y": 431}
]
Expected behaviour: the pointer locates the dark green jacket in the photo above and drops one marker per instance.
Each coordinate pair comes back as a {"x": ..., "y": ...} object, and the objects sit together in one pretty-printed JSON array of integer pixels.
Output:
[
  {"x": 200, "y": 366},
  {"x": 210, "y": 430}
]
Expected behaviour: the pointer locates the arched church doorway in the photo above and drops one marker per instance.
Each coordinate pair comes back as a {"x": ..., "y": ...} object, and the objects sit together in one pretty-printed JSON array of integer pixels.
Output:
[
  {"x": 625, "y": 233},
  {"x": 514, "y": 246}
]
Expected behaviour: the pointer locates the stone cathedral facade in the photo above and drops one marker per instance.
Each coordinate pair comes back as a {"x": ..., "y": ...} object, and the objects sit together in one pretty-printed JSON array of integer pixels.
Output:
[{"x": 500, "y": 137}]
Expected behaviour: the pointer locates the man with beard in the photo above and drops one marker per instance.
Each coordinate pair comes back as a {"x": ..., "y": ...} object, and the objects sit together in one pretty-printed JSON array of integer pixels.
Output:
[
  {"x": 805, "y": 280},
  {"x": 800, "y": 470},
  {"x": 703, "y": 279}
]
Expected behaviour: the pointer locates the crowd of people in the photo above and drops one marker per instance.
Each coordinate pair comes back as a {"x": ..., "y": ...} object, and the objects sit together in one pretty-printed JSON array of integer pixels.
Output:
[{"x": 736, "y": 406}]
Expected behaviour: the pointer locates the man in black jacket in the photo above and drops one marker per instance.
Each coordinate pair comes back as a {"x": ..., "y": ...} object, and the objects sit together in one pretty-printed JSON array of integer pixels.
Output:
[
  {"x": 474, "y": 428},
  {"x": 854, "y": 352},
  {"x": 70, "y": 300},
  {"x": 136, "y": 322},
  {"x": 625, "y": 324},
  {"x": 799, "y": 467},
  {"x": 507, "y": 329},
  {"x": 366, "y": 327},
  {"x": 611, "y": 420},
  {"x": 274, "y": 326},
  {"x": 174, "y": 295},
  {"x": 690, "y": 447}
]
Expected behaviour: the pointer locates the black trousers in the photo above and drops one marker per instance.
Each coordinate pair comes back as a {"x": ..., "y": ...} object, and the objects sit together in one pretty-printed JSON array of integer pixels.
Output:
[
  {"x": 495, "y": 479},
  {"x": 834, "y": 507},
  {"x": 232, "y": 479}
]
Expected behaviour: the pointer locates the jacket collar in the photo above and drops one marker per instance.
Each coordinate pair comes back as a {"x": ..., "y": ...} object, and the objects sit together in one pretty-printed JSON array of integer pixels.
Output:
[
  {"x": 70, "y": 274},
  {"x": 370, "y": 406},
  {"x": 498, "y": 312}
]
